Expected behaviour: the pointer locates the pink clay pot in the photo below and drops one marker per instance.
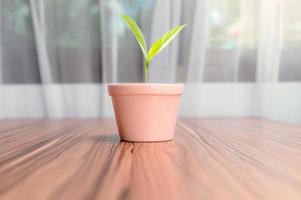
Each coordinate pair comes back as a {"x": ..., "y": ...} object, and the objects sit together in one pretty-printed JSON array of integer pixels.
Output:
[{"x": 146, "y": 112}]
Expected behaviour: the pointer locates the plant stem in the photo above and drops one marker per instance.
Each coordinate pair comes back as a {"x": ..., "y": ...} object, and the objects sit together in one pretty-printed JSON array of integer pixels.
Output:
[{"x": 146, "y": 63}]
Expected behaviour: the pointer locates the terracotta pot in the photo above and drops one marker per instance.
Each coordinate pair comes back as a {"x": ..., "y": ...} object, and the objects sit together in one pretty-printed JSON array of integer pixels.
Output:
[{"x": 146, "y": 112}]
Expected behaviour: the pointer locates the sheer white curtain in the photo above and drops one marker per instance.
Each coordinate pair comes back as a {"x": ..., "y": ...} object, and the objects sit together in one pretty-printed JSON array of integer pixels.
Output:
[{"x": 237, "y": 57}]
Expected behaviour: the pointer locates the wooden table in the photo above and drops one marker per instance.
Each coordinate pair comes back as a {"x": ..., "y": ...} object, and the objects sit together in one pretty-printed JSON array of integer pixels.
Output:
[{"x": 212, "y": 158}]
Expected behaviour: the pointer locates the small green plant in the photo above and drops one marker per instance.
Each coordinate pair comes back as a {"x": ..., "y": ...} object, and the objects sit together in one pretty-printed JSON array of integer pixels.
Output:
[{"x": 158, "y": 46}]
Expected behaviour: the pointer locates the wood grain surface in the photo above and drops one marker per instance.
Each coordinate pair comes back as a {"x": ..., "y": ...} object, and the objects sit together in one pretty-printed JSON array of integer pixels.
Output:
[{"x": 212, "y": 158}]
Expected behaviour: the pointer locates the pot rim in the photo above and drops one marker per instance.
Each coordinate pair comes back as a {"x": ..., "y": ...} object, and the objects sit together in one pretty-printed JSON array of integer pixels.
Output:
[{"x": 125, "y": 89}]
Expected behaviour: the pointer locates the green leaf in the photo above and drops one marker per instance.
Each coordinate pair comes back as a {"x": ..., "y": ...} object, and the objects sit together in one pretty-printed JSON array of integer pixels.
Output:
[
  {"x": 137, "y": 32},
  {"x": 161, "y": 43}
]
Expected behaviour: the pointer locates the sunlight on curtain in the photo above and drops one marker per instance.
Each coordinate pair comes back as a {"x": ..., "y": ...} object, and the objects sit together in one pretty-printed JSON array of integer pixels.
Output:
[
  {"x": 64, "y": 41},
  {"x": 231, "y": 48},
  {"x": 290, "y": 60}
]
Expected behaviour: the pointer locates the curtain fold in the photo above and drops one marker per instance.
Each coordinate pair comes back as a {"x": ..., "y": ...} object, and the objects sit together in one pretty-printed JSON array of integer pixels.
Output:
[
  {"x": 268, "y": 57},
  {"x": 199, "y": 42}
]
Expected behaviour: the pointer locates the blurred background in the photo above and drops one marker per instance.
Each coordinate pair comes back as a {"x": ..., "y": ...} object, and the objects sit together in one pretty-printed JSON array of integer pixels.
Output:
[{"x": 236, "y": 57}]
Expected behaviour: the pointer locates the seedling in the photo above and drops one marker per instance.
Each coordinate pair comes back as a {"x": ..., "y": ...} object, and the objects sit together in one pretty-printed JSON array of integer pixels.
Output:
[{"x": 158, "y": 46}]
